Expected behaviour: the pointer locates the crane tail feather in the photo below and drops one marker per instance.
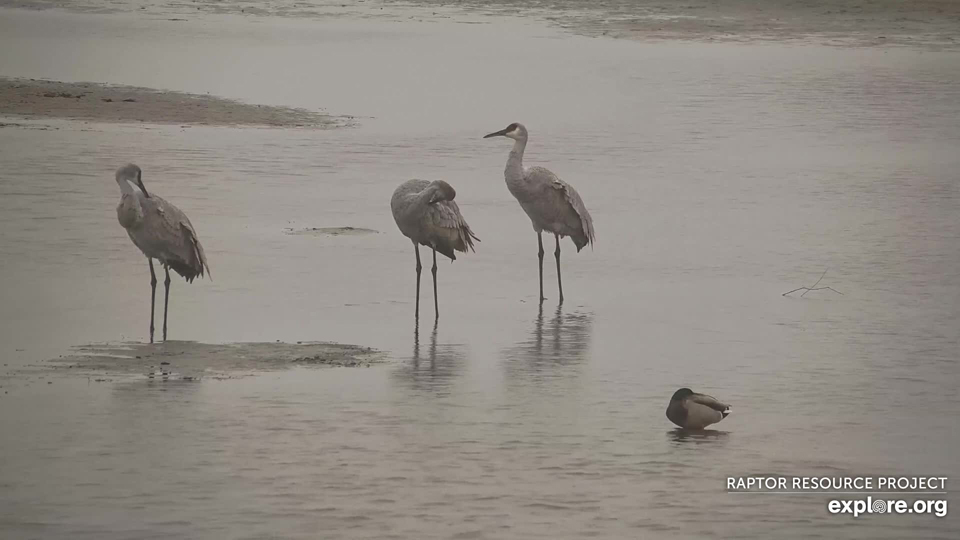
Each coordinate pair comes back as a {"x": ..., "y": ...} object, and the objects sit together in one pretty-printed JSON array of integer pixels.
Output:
[{"x": 202, "y": 258}]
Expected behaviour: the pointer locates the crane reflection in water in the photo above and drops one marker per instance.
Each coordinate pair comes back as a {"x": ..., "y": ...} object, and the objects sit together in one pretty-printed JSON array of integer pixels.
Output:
[
  {"x": 432, "y": 366},
  {"x": 553, "y": 346}
]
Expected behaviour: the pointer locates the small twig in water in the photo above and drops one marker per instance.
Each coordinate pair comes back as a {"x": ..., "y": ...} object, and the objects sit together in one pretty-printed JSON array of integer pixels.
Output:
[{"x": 814, "y": 288}]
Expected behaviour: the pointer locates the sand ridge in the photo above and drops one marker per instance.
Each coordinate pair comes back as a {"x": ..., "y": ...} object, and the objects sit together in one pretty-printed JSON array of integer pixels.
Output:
[
  {"x": 189, "y": 360},
  {"x": 33, "y": 98},
  {"x": 922, "y": 23}
]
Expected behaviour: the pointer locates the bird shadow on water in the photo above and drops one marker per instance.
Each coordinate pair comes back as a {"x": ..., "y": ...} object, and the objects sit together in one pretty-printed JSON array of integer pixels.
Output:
[
  {"x": 552, "y": 346},
  {"x": 432, "y": 366}
]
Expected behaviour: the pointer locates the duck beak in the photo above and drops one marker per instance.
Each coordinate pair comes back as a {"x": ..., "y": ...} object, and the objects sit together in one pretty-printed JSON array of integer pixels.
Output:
[
  {"x": 140, "y": 185},
  {"x": 501, "y": 133}
]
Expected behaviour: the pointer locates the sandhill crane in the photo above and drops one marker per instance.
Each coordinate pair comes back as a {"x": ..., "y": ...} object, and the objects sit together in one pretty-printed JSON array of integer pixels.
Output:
[
  {"x": 162, "y": 232},
  {"x": 552, "y": 204},
  {"x": 426, "y": 214},
  {"x": 691, "y": 410}
]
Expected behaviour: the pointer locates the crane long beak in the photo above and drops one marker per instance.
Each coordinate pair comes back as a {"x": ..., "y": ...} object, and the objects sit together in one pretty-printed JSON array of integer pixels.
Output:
[
  {"x": 501, "y": 133},
  {"x": 140, "y": 185}
]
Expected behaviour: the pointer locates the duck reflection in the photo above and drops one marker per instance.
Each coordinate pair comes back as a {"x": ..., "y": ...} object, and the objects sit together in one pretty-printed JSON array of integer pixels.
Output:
[
  {"x": 563, "y": 341},
  {"x": 432, "y": 366},
  {"x": 697, "y": 436}
]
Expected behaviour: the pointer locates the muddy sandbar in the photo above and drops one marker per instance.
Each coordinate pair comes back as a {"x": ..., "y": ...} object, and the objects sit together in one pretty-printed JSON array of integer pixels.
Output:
[
  {"x": 330, "y": 231},
  {"x": 925, "y": 23},
  {"x": 189, "y": 360},
  {"x": 32, "y": 98}
]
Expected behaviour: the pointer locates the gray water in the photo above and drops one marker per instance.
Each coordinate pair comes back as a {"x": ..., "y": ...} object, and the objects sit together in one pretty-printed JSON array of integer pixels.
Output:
[{"x": 719, "y": 176}]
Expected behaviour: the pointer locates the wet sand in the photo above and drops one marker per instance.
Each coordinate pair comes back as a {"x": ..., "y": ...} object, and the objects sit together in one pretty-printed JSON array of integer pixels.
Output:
[
  {"x": 185, "y": 361},
  {"x": 330, "y": 231},
  {"x": 33, "y": 99},
  {"x": 927, "y": 23},
  {"x": 194, "y": 361}
]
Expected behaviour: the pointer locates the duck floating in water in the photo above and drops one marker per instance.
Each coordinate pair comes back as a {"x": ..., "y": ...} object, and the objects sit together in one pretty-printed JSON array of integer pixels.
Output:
[{"x": 691, "y": 410}]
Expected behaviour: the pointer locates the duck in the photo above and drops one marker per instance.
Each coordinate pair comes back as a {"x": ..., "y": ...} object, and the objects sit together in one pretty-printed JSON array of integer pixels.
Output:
[{"x": 691, "y": 410}]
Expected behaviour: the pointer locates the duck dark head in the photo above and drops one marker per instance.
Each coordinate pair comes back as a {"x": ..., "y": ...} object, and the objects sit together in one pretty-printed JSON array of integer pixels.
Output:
[{"x": 682, "y": 393}]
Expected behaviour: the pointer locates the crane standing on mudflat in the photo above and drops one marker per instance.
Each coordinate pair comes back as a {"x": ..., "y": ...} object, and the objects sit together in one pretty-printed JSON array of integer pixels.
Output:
[{"x": 161, "y": 231}]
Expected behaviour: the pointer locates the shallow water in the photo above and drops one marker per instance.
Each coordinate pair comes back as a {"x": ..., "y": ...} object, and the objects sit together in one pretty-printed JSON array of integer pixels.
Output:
[{"x": 719, "y": 177}]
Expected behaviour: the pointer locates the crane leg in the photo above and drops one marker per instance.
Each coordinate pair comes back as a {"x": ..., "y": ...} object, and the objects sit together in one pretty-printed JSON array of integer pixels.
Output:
[
  {"x": 540, "y": 257},
  {"x": 153, "y": 295},
  {"x": 166, "y": 299},
  {"x": 557, "y": 254},
  {"x": 416, "y": 250},
  {"x": 436, "y": 308}
]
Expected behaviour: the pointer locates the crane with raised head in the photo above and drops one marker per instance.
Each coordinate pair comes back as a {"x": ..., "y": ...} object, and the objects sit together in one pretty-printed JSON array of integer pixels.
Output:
[{"x": 551, "y": 204}]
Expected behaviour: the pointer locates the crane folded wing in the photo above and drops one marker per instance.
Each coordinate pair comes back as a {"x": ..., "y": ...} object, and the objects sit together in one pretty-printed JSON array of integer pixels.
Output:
[
  {"x": 573, "y": 199},
  {"x": 445, "y": 218}
]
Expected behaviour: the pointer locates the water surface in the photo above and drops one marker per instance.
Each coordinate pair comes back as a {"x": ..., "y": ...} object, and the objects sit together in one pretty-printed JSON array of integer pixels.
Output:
[{"x": 719, "y": 176}]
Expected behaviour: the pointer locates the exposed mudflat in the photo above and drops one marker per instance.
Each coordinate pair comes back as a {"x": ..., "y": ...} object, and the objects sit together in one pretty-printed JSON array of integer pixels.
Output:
[
  {"x": 330, "y": 231},
  {"x": 928, "y": 23},
  {"x": 189, "y": 360},
  {"x": 34, "y": 98}
]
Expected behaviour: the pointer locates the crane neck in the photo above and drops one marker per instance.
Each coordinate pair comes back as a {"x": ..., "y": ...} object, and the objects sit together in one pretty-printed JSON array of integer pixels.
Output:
[
  {"x": 417, "y": 202},
  {"x": 129, "y": 211},
  {"x": 420, "y": 202},
  {"x": 514, "y": 169},
  {"x": 125, "y": 187},
  {"x": 128, "y": 193}
]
